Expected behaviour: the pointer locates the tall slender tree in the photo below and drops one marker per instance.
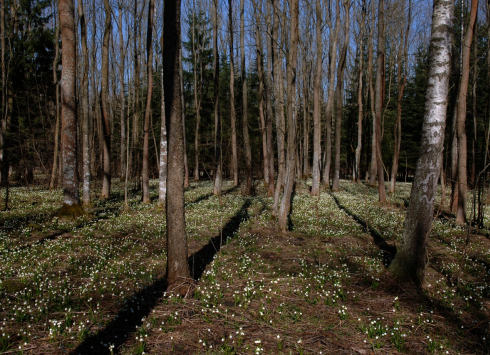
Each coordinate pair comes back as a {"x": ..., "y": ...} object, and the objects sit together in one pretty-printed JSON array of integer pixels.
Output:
[
  {"x": 3, "y": 118},
  {"x": 71, "y": 198},
  {"x": 291, "y": 87},
  {"x": 182, "y": 102},
  {"x": 268, "y": 100},
  {"x": 260, "y": 72},
  {"x": 411, "y": 258},
  {"x": 279, "y": 107},
  {"x": 234, "y": 151},
  {"x": 246, "y": 135},
  {"x": 402, "y": 80},
  {"x": 357, "y": 172},
  {"x": 56, "y": 82},
  {"x": 373, "y": 166},
  {"x": 146, "y": 126},
  {"x": 198, "y": 72},
  {"x": 133, "y": 158},
  {"x": 106, "y": 126},
  {"x": 85, "y": 107},
  {"x": 217, "y": 122},
  {"x": 380, "y": 66},
  {"x": 340, "y": 94},
  {"x": 315, "y": 187},
  {"x": 162, "y": 169},
  {"x": 461, "y": 117},
  {"x": 330, "y": 99},
  {"x": 177, "y": 266},
  {"x": 122, "y": 94}
]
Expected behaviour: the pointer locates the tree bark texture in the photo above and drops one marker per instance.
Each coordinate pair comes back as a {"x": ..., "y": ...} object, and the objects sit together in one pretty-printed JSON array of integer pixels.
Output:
[
  {"x": 373, "y": 165},
  {"x": 461, "y": 118},
  {"x": 268, "y": 100},
  {"x": 260, "y": 72},
  {"x": 317, "y": 129},
  {"x": 3, "y": 117},
  {"x": 177, "y": 266},
  {"x": 197, "y": 101},
  {"x": 402, "y": 80},
  {"x": 122, "y": 96},
  {"x": 146, "y": 125},
  {"x": 85, "y": 108},
  {"x": 246, "y": 136},
  {"x": 69, "y": 111},
  {"x": 133, "y": 157},
  {"x": 473, "y": 111},
  {"x": 106, "y": 128},
  {"x": 54, "y": 171},
  {"x": 340, "y": 94},
  {"x": 411, "y": 259},
  {"x": 330, "y": 99},
  {"x": 234, "y": 150},
  {"x": 182, "y": 102},
  {"x": 357, "y": 163},
  {"x": 218, "y": 180},
  {"x": 306, "y": 74},
  {"x": 291, "y": 87},
  {"x": 279, "y": 107},
  {"x": 380, "y": 64},
  {"x": 162, "y": 169}
]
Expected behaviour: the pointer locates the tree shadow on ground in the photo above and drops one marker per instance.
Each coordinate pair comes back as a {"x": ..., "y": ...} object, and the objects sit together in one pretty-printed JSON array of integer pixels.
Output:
[
  {"x": 130, "y": 318},
  {"x": 207, "y": 196},
  {"x": 389, "y": 251}
]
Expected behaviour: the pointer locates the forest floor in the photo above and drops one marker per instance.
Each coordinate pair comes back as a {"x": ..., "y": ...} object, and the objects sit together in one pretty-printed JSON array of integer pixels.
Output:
[{"x": 96, "y": 285}]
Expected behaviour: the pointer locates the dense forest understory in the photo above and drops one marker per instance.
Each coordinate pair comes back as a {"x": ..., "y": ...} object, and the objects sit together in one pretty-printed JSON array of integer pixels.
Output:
[{"x": 96, "y": 284}]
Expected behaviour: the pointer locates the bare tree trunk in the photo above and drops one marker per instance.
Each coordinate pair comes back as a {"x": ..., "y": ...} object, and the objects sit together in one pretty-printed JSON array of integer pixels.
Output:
[
  {"x": 146, "y": 127},
  {"x": 475, "y": 128},
  {"x": 380, "y": 60},
  {"x": 306, "y": 119},
  {"x": 177, "y": 266},
  {"x": 330, "y": 99},
  {"x": 217, "y": 130},
  {"x": 461, "y": 129},
  {"x": 246, "y": 137},
  {"x": 401, "y": 87},
  {"x": 54, "y": 171},
  {"x": 454, "y": 151},
  {"x": 106, "y": 182},
  {"x": 260, "y": 72},
  {"x": 268, "y": 100},
  {"x": 291, "y": 155},
  {"x": 71, "y": 198},
  {"x": 279, "y": 105},
  {"x": 197, "y": 102},
  {"x": 126, "y": 174},
  {"x": 133, "y": 157},
  {"x": 373, "y": 166},
  {"x": 182, "y": 102},
  {"x": 4, "y": 81},
  {"x": 121, "y": 93},
  {"x": 85, "y": 108},
  {"x": 411, "y": 258},
  {"x": 234, "y": 151},
  {"x": 94, "y": 129},
  {"x": 315, "y": 187},
  {"x": 162, "y": 169},
  {"x": 443, "y": 182},
  {"x": 339, "y": 93},
  {"x": 357, "y": 163}
]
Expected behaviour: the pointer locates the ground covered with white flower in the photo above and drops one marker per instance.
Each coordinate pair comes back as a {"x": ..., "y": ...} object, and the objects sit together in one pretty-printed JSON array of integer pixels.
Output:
[{"x": 96, "y": 285}]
